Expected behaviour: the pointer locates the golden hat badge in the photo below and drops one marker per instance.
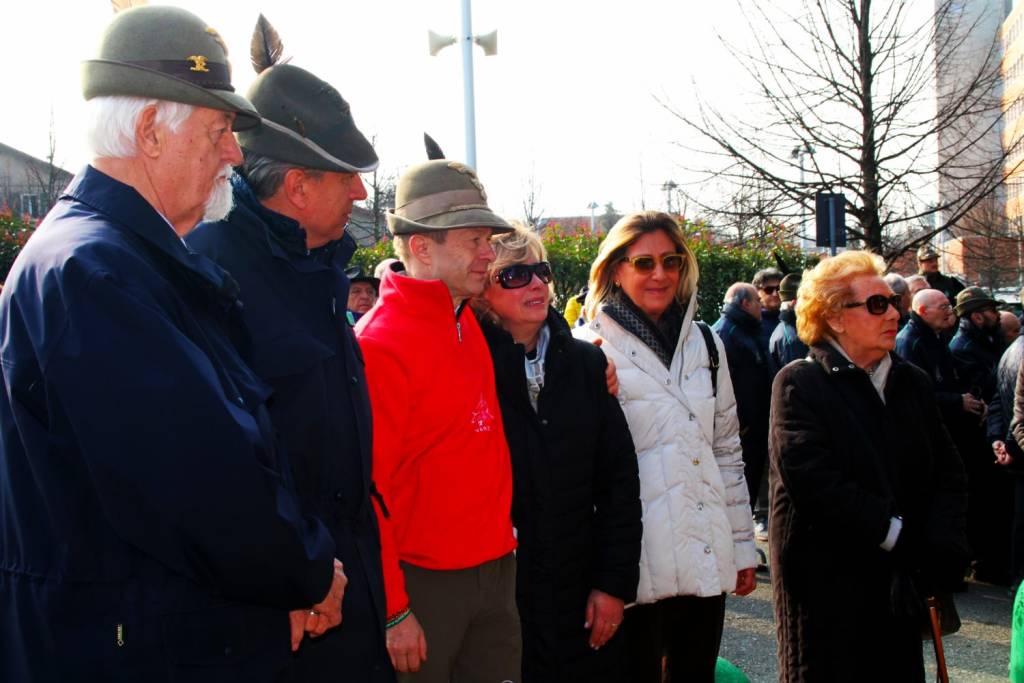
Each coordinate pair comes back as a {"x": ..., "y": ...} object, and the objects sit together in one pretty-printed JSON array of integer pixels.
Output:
[{"x": 198, "y": 63}]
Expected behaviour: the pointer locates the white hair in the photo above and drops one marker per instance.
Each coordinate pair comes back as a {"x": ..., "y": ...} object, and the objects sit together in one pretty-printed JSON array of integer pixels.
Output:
[{"x": 110, "y": 122}]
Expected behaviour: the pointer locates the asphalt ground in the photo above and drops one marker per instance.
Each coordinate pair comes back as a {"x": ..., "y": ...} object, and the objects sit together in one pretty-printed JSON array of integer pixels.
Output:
[{"x": 979, "y": 652}]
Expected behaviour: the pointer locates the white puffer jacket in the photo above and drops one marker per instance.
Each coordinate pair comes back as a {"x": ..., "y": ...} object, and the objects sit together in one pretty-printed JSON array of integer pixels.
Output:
[{"x": 696, "y": 511}]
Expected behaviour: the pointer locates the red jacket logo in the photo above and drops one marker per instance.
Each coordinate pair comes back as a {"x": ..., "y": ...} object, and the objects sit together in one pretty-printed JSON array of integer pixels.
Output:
[{"x": 482, "y": 418}]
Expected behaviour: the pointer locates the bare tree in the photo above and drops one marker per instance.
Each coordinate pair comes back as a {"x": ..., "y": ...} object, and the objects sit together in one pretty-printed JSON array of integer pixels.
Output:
[
  {"x": 532, "y": 212},
  {"x": 48, "y": 180},
  {"x": 855, "y": 81},
  {"x": 990, "y": 249}
]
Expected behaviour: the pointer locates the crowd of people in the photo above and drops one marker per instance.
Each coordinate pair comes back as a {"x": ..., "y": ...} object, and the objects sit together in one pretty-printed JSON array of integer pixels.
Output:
[{"x": 227, "y": 456}]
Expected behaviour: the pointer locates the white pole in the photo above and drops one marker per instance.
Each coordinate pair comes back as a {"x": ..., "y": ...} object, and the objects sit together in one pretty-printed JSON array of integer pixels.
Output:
[{"x": 467, "y": 80}]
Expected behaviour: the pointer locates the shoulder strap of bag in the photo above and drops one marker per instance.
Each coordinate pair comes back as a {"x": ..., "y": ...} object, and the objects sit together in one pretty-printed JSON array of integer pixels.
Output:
[{"x": 709, "y": 341}]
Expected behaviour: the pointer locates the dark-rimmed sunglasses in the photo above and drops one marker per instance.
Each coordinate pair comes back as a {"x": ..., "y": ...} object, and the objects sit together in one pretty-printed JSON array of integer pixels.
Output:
[
  {"x": 645, "y": 263},
  {"x": 877, "y": 304},
  {"x": 769, "y": 290},
  {"x": 521, "y": 274}
]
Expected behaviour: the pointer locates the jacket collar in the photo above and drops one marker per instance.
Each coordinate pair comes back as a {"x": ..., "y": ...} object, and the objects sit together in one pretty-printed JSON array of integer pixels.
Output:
[
  {"x": 741, "y": 318},
  {"x": 285, "y": 237},
  {"x": 919, "y": 326},
  {"x": 835, "y": 363},
  {"x": 429, "y": 299},
  {"x": 788, "y": 316},
  {"x": 123, "y": 205}
]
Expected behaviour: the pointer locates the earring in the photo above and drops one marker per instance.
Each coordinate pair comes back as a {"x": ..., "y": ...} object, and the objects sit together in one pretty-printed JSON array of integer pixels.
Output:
[{"x": 617, "y": 284}]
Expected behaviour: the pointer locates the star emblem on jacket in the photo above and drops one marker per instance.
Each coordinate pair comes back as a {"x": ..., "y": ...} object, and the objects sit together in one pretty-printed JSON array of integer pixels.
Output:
[{"x": 482, "y": 418}]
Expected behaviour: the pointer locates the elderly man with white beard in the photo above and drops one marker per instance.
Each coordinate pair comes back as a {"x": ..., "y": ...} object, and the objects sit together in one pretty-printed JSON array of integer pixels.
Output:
[{"x": 148, "y": 526}]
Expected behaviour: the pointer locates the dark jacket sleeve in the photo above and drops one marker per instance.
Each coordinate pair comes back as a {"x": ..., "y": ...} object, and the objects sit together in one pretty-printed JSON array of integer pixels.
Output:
[
  {"x": 182, "y": 470},
  {"x": 616, "y": 491},
  {"x": 802, "y": 445}
]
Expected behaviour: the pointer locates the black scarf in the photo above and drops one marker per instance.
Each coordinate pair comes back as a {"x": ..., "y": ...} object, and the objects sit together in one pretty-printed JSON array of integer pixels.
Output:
[{"x": 661, "y": 337}]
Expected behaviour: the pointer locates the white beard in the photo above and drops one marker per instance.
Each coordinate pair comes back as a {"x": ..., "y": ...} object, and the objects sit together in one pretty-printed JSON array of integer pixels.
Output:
[{"x": 221, "y": 199}]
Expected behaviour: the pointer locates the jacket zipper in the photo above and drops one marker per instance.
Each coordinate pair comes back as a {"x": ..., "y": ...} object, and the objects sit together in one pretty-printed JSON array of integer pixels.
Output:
[
  {"x": 119, "y": 635},
  {"x": 458, "y": 323}
]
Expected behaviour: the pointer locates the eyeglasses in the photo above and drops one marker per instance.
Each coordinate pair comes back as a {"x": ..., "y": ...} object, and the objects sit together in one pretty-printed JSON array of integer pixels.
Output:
[
  {"x": 877, "y": 304},
  {"x": 770, "y": 290},
  {"x": 670, "y": 263},
  {"x": 521, "y": 274}
]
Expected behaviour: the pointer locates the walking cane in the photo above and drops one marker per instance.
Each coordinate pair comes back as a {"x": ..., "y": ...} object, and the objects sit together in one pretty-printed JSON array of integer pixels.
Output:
[{"x": 940, "y": 655}]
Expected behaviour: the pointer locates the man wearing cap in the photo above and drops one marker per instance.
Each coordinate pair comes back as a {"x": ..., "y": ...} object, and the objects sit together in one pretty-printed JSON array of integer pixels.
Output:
[
  {"x": 362, "y": 293},
  {"x": 785, "y": 346},
  {"x": 928, "y": 267},
  {"x": 441, "y": 461},
  {"x": 285, "y": 244},
  {"x": 149, "y": 528},
  {"x": 977, "y": 348}
]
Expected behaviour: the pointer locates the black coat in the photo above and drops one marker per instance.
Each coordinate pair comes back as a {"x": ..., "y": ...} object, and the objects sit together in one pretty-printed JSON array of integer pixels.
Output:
[
  {"x": 976, "y": 354},
  {"x": 147, "y": 530},
  {"x": 919, "y": 344},
  {"x": 843, "y": 464},
  {"x": 751, "y": 370},
  {"x": 947, "y": 284},
  {"x": 576, "y": 502},
  {"x": 294, "y": 306}
]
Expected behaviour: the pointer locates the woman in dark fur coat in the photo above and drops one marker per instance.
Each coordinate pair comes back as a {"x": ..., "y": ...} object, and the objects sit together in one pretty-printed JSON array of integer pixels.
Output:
[{"x": 868, "y": 491}]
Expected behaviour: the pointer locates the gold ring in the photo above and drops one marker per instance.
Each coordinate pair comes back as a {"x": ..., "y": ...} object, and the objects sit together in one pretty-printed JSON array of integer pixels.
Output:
[{"x": 313, "y": 613}]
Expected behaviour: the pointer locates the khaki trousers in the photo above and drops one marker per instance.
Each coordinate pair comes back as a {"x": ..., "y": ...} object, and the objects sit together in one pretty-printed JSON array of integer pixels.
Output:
[{"x": 470, "y": 621}]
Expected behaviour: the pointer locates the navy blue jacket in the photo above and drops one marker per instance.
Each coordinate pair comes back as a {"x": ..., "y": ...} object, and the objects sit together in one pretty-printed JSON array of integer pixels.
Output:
[
  {"x": 751, "y": 372},
  {"x": 146, "y": 530},
  {"x": 919, "y": 344},
  {"x": 294, "y": 305},
  {"x": 785, "y": 345},
  {"x": 976, "y": 354},
  {"x": 769, "y": 321}
]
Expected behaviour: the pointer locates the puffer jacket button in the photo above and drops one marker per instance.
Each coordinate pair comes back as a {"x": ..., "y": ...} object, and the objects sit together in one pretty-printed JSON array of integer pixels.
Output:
[
  {"x": 700, "y": 506},
  {"x": 707, "y": 550},
  {"x": 696, "y": 461},
  {"x": 692, "y": 417}
]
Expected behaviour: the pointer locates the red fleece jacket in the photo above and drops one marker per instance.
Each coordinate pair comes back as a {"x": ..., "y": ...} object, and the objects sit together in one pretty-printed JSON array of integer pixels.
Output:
[{"x": 440, "y": 459}]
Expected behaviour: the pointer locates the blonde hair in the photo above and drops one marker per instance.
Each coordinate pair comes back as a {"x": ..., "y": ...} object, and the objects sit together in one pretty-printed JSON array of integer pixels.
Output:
[
  {"x": 515, "y": 247},
  {"x": 825, "y": 289},
  {"x": 613, "y": 249},
  {"x": 510, "y": 248}
]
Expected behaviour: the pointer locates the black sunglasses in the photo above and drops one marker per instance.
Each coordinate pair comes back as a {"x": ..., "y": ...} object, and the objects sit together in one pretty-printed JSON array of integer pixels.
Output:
[
  {"x": 877, "y": 304},
  {"x": 772, "y": 289},
  {"x": 521, "y": 274}
]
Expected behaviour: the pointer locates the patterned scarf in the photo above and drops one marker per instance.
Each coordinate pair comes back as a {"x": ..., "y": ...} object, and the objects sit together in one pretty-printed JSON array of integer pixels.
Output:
[{"x": 661, "y": 337}]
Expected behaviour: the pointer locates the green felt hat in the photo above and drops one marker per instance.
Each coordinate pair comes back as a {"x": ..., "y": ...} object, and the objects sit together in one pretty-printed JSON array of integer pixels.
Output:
[
  {"x": 165, "y": 53},
  {"x": 306, "y": 122},
  {"x": 441, "y": 195},
  {"x": 972, "y": 299}
]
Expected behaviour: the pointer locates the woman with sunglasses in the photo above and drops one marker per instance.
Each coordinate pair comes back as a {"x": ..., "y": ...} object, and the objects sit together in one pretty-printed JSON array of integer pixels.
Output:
[
  {"x": 867, "y": 491},
  {"x": 576, "y": 504},
  {"x": 698, "y": 540}
]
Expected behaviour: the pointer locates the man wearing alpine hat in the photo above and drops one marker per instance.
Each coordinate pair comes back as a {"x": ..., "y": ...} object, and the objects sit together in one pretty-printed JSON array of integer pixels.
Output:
[
  {"x": 285, "y": 244},
  {"x": 440, "y": 459},
  {"x": 148, "y": 531},
  {"x": 928, "y": 266}
]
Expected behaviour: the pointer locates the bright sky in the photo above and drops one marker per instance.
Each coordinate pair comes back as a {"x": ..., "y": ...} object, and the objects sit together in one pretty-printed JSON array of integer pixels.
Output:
[{"x": 570, "y": 95}]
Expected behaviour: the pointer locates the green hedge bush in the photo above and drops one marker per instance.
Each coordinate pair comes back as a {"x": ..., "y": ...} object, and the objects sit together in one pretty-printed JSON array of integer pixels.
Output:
[{"x": 572, "y": 250}]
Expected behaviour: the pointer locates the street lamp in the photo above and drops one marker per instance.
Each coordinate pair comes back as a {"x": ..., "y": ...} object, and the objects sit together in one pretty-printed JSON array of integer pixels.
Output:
[
  {"x": 592, "y": 206},
  {"x": 668, "y": 187},
  {"x": 489, "y": 42},
  {"x": 804, "y": 149}
]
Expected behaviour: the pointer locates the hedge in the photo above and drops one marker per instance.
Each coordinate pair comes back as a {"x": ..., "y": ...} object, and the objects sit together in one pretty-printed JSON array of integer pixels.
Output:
[{"x": 572, "y": 250}]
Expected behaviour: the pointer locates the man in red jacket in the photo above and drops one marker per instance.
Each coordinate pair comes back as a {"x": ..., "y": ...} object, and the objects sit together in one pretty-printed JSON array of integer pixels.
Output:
[{"x": 440, "y": 459}]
